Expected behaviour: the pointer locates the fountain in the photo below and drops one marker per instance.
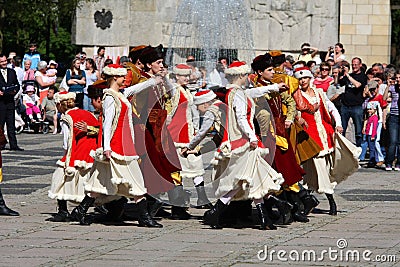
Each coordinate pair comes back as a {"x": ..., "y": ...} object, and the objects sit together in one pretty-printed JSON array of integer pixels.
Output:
[{"x": 210, "y": 29}]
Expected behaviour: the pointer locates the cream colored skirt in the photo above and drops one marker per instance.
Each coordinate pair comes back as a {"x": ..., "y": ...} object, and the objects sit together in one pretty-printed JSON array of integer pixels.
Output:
[
  {"x": 318, "y": 174},
  {"x": 68, "y": 185},
  {"x": 247, "y": 171},
  {"x": 116, "y": 177},
  {"x": 323, "y": 173},
  {"x": 192, "y": 166}
]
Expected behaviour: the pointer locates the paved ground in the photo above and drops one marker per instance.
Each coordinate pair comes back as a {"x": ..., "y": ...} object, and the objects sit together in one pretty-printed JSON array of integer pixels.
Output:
[{"x": 368, "y": 224}]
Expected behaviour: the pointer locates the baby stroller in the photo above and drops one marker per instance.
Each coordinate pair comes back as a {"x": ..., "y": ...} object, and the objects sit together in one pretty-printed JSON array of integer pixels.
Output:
[{"x": 35, "y": 125}]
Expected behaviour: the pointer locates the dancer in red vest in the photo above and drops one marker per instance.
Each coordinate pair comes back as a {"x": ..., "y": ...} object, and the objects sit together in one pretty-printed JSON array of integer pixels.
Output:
[
  {"x": 240, "y": 172},
  {"x": 116, "y": 170},
  {"x": 284, "y": 159},
  {"x": 182, "y": 129},
  {"x": 316, "y": 110},
  {"x": 73, "y": 168}
]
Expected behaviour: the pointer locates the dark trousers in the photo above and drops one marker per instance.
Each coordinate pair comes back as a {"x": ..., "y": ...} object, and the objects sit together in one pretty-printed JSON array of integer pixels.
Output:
[
  {"x": 7, "y": 115},
  {"x": 393, "y": 126}
]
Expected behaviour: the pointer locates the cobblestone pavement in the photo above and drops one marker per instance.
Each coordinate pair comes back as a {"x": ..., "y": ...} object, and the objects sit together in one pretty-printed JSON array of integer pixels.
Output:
[{"x": 368, "y": 225}]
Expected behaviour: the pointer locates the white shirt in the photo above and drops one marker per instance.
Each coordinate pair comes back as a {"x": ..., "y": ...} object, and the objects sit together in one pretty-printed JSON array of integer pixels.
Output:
[
  {"x": 109, "y": 110},
  {"x": 240, "y": 103}
]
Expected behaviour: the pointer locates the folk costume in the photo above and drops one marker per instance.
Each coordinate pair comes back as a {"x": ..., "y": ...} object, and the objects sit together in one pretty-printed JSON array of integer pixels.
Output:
[
  {"x": 120, "y": 173},
  {"x": 182, "y": 130},
  {"x": 73, "y": 168},
  {"x": 155, "y": 145},
  {"x": 303, "y": 146},
  {"x": 320, "y": 169},
  {"x": 284, "y": 159},
  {"x": 240, "y": 172},
  {"x": 161, "y": 163}
]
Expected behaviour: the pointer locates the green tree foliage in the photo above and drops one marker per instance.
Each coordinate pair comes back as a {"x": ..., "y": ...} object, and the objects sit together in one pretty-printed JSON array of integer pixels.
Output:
[
  {"x": 395, "y": 51},
  {"x": 45, "y": 22}
]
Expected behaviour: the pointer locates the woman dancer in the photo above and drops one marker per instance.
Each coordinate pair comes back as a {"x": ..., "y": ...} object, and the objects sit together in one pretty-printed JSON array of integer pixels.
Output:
[
  {"x": 240, "y": 172},
  {"x": 116, "y": 170}
]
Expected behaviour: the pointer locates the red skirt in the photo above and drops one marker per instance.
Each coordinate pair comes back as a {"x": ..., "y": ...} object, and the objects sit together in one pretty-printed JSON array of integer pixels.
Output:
[{"x": 286, "y": 164}]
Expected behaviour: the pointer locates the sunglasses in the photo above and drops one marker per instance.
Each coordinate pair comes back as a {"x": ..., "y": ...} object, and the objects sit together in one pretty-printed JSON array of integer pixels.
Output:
[{"x": 327, "y": 69}]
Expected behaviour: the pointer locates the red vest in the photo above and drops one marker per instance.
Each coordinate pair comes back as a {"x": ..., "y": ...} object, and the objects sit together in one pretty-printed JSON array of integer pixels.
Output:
[
  {"x": 179, "y": 126},
  {"x": 122, "y": 142},
  {"x": 79, "y": 144}
]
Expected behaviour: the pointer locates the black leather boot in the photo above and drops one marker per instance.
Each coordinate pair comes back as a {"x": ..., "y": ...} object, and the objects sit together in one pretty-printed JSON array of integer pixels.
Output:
[
  {"x": 332, "y": 205},
  {"x": 283, "y": 206},
  {"x": 145, "y": 219},
  {"x": 79, "y": 212},
  {"x": 154, "y": 207},
  {"x": 62, "y": 215},
  {"x": 212, "y": 216},
  {"x": 178, "y": 199},
  {"x": 115, "y": 209},
  {"x": 309, "y": 200},
  {"x": 273, "y": 214},
  {"x": 266, "y": 223},
  {"x": 4, "y": 210},
  {"x": 298, "y": 214},
  {"x": 202, "y": 200}
]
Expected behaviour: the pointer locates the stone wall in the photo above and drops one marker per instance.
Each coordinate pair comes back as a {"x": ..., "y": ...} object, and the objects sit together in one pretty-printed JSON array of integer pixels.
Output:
[{"x": 365, "y": 29}]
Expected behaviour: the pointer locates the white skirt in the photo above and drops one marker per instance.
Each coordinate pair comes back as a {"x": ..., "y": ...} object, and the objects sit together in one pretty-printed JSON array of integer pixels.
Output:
[
  {"x": 68, "y": 185},
  {"x": 192, "y": 166},
  {"x": 116, "y": 177},
  {"x": 247, "y": 171},
  {"x": 323, "y": 173},
  {"x": 318, "y": 174}
]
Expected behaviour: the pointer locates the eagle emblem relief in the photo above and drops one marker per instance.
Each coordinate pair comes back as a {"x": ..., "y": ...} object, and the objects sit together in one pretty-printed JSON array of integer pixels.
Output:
[{"x": 103, "y": 19}]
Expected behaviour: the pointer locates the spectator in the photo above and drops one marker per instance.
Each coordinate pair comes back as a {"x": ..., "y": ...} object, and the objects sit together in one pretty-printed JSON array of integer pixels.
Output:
[
  {"x": 29, "y": 74},
  {"x": 370, "y": 130},
  {"x": 31, "y": 102},
  {"x": 377, "y": 68},
  {"x": 76, "y": 80},
  {"x": 100, "y": 59},
  {"x": 336, "y": 53},
  {"x": 392, "y": 123},
  {"x": 33, "y": 55},
  {"x": 43, "y": 80},
  {"x": 380, "y": 78},
  {"x": 18, "y": 70},
  {"x": 8, "y": 80},
  {"x": 82, "y": 57},
  {"x": 92, "y": 75},
  {"x": 51, "y": 71},
  {"x": 335, "y": 90},
  {"x": 10, "y": 60},
  {"x": 370, "y": 74},
  {"x": 371, "y": 92},
  {"x": 324, "y": 80},
  {"x": 307, "y": 52},
  {"x": 352, "y": 98},
  {"x": 49, "y": 108},
  {"x": 288, "y": 65}
]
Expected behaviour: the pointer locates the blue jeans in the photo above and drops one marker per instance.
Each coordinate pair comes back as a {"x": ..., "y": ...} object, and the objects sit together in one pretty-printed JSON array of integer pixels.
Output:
[
  {"x": 87, "y": 103},
  {"x": 371, "y": 146},
  {"x": 356, "y": 114},
  {"x": 393, "y": 125},
  {"x": 364, "y": 146}
]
